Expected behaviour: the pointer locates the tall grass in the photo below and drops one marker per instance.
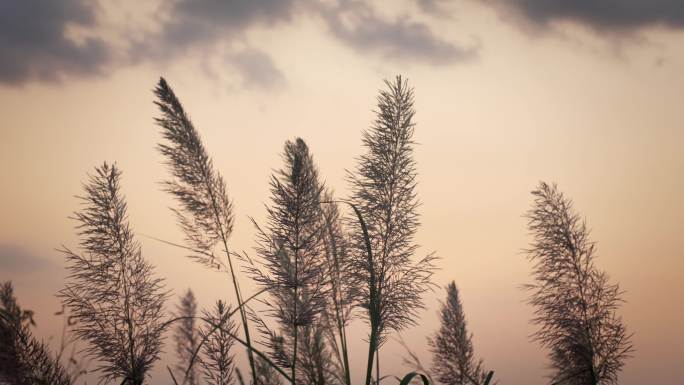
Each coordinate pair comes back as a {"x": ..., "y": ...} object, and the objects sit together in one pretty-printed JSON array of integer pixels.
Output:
[
  {"x": 23, "y": 358},
  {"x": 343, "y": 293},
  {"x": 206, "y": 215},
  {"x": 290, "y": 249},
  {"x": 454, "y": 360},
  {"x": 385, "y": 202},
  {"x": 317, "y": 266},
  {"x": 186, "y": 337},
  {"x": 313, "y": 265},
  {"x": 111, "y": 290},
  {"x": 575, "y": 303},
  {"x": 217, "y": 361}
]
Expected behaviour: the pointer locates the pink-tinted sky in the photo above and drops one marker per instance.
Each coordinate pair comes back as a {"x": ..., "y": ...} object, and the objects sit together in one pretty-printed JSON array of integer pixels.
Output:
[{"x": 507, "y": 93}]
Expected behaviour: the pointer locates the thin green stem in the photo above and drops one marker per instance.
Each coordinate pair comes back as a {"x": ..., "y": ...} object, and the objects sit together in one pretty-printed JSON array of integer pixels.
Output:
[
  {"x": 373, "y": 300},
  {"x": 371, "y": 351},
  {"x": 294, "y": 324},
  {"x": 238, "y": 295},
  {"x": 243, "y": 315},
  {"x": 373, "y": 305},
  {"x": 377, "y": 365}
]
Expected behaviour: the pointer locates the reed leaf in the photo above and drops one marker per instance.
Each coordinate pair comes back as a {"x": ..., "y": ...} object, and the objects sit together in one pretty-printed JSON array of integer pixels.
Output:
[{"x": 411, "y": 376}]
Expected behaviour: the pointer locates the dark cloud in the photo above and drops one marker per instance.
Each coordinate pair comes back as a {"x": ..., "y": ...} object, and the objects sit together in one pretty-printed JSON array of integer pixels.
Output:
[
  {"x": 233, "y": 14},
  {"x": 194, "y": 27},
  {"x": 358, "y": 25},
  {"x": 15, "y": 259},
  {"x": 33, "y": 45},
  {"x": 200, "y": 22},
  {"x": 433, "y": 6},
  {"x": 618, "y": 16},
  {"x": 257, "y": 69}
]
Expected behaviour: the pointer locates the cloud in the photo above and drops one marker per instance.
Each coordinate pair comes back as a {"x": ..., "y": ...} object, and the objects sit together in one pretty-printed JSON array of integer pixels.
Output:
[
  {"x": 257, "y": 69},
  {"x": 15, "y": 259},
  {"x": 204, "y": 27},
  {"x": 232, "y": 14},
  {"x": 201, "y": 22},
  {"x": 611, "y": 16},
  {"x": 433, "y": 6},
  {"x": 34, "y": 43},
  {"x": 37, "y": 41},
  {"x": 358, "y": 25}
]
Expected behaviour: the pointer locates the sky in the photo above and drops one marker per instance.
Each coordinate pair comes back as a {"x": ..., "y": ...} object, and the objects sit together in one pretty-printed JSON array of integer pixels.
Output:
[{"x": 585, "y": 94}]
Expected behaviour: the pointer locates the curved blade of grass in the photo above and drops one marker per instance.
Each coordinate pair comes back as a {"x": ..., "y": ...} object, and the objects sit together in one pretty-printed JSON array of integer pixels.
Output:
[
  {"x": 409, "y": 377},
  {"x": 488, "y": 379},
  {"x": 374, "y": 316}
]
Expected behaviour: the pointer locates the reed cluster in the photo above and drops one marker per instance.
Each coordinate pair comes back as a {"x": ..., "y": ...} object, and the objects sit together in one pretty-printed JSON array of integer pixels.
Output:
[{"x": 320, "y": 262}]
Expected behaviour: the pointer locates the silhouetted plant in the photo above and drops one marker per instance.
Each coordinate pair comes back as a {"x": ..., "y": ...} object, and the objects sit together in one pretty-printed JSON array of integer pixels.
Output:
[
  {"x": 68, "y": 352},
  {"x": 217, "y": 360},
  {"x": 186, "y": 338},
  {"x": 110, "y": 289},
  {"x": 318, "y": 365},
  {"x": 343, "y": 293},
  {"x": 413, "y": 361},
  {"x": 24, "y": 360},
  {"x": 575, "y": 304},
  {"x": 383, "y": 192},
  {"x": 206, "y": 214},
  {"x": 266, "y": 374},
  {"x": 454, "y": 362},
  {"x": 291, "y": 253}
]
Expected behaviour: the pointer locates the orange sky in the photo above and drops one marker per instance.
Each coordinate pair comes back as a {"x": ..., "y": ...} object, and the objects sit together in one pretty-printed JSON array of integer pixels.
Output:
[{"x": 503, "y": 100}]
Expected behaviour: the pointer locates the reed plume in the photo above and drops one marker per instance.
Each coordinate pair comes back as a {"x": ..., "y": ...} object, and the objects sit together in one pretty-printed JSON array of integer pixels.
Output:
[
  {"x": 206, "y": 213},
  {"x": 291, "y": 252},
  {"x": 383, "y": 192},
  {"x": 575, "y": 304},
  {"x": 24, "y": 360},
  {"x": 217, "y": 360},
  {"x": 266, "y": 374},
  {"x": 186, "y": 337},
  {"x": 110, "y": 289},
  {"x": 454, "y": 361},
  {"x": 318, "y": 365}
]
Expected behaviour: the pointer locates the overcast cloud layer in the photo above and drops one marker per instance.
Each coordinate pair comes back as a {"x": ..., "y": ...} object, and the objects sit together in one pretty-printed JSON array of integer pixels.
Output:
[
  {"x": 612, "y": 16},
  {"x": 35, "y": 45}
]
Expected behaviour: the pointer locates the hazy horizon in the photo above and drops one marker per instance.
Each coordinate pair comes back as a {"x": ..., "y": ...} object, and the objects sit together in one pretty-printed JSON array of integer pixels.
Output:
[{"x": 507, "y": 95}]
